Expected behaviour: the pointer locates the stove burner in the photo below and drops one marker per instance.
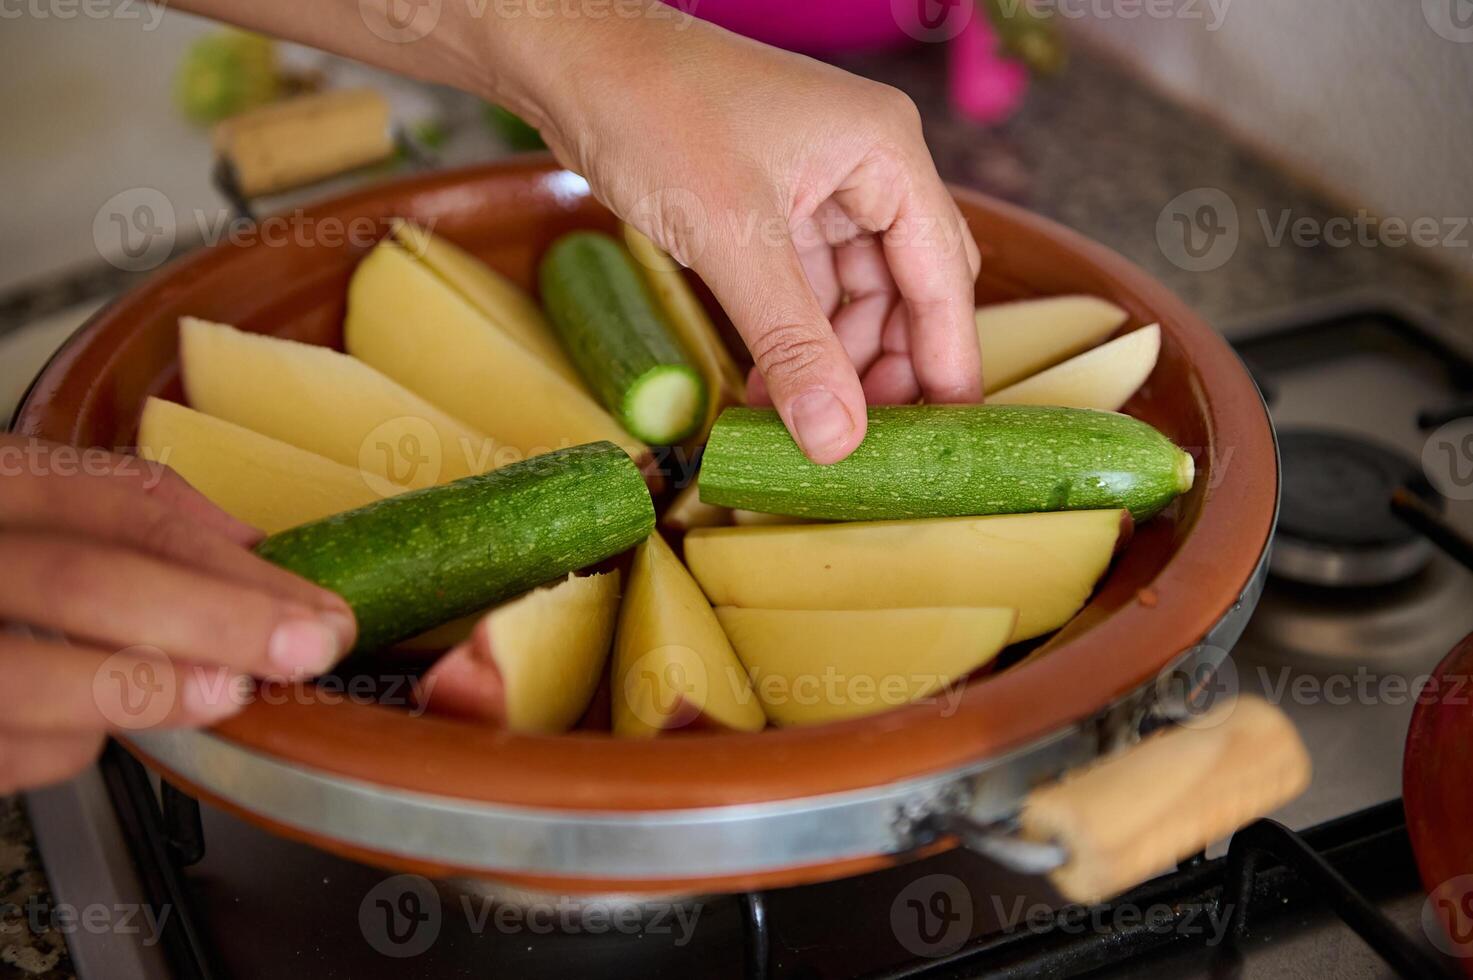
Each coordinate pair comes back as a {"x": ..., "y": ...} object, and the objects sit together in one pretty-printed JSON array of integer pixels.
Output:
[{"x": 1336, "y": 527}]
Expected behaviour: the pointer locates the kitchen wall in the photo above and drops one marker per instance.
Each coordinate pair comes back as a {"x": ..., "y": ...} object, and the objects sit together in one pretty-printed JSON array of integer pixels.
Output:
[{"x": 1372, "y": 100}]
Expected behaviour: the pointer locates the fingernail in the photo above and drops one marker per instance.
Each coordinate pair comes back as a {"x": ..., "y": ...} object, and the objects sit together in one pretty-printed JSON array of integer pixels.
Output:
[
  {"x": 303, "y": 646},
  {"x": 343, "y": 625},
  {"x": 212, "y": 695},
  {"x": 822, "y": 421}
]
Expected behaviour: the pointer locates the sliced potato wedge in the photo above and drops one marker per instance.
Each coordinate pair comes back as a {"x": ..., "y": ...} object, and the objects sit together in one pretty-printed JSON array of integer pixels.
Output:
[
  {"x": 673, "y": 666},
  {"x": 1043, "y": 565},
  {"x": 265, "y": 482},
  {"x": 1103, "y": 378},
  {"x": 1024, "y": 337},
  {"x": 813, "y": 666},
  {"x": 326, "y": 402},
  {"x": 406, "y": 322}
]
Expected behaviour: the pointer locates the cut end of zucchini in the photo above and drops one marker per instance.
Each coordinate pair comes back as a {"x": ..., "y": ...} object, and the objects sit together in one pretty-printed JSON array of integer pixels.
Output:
[
  {"x": 666, "y": 404},
  {"x": 1186, "y": 472}
]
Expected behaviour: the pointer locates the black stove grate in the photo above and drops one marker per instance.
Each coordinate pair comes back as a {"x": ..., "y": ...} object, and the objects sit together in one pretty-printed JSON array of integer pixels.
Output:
[{"x": 1267, "y": 871}]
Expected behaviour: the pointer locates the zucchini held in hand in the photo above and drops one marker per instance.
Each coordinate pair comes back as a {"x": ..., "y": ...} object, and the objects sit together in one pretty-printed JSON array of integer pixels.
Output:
[
  {"x": 948, "y": 461},
  {"x": 619, "y": 340},
  {"x": 412, "y": 562}
]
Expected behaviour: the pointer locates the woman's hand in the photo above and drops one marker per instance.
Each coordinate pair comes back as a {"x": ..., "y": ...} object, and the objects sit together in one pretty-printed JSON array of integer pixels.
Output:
[
  {"x": 133, "y": 602},
  {"x": 804, "y": 196}
]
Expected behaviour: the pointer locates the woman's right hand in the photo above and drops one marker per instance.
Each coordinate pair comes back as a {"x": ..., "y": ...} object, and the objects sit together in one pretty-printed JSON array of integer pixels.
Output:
[{"x": 133, "y": 602}]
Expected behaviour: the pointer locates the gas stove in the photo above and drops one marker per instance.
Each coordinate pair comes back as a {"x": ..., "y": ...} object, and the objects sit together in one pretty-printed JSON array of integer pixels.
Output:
[{"x": 1359, "y": 607}]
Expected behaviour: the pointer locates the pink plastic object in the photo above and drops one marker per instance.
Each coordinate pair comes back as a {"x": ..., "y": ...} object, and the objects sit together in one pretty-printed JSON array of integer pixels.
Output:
[
  {"x": 984, "y": 85},
  {"x": 813, "y": 26}
]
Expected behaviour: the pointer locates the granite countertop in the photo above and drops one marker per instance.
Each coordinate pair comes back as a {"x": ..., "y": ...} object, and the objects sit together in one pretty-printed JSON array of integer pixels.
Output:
[
  {"x": 1096, "y": 150},
  {"x": 1092, "y": 149},
  {"x": 24, "y": 951}
]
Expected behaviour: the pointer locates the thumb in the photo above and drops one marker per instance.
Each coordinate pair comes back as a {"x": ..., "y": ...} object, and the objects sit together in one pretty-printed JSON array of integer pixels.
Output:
[{"x": 804, "y": 369}]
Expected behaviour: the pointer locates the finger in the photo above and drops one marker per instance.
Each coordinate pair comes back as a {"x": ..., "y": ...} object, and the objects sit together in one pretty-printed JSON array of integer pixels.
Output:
[
  {"x": 817, "y": 256},
  {"x": 892, "y": 378},
  {"x": 114, "y": 510},
  {"x": 757, "y": 393},
  {"x": 33, "y": 761},
  {"x": 58, "y": 689},
  {"x": 865, "y": 277},
  {"x": 929, "y": 259},
  {"x": 763, "y": 288},
  {"x": 56, "y": 462},
  {"x": 925, "y": 246},
  {"x": 118, "y": 598},
  {"x": 969, "y": 241}
]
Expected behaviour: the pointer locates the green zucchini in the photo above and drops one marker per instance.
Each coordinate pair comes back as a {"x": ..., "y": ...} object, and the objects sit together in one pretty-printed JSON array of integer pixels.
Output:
[
  {"x": 619, "y": 340},
  {"x": 411, "y": 562},
  {"x": 948, "y": 461}
]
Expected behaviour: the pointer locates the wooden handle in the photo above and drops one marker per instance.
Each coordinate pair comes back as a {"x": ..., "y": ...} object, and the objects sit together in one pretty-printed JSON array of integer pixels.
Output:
[
  {"x": 301, "y": 140},
  {"x": 1136, "y": 814}
]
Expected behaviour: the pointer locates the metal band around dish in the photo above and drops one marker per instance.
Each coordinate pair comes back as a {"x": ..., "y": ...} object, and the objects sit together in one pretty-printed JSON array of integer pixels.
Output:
[{"x": 667, "y": 844}]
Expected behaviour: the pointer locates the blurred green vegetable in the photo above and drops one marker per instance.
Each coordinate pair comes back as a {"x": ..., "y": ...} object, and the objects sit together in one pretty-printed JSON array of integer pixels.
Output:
[
  {"x": 226, "y": 73},
  {"x": 513, "y": 130},
  {"x": 1028, "y": 34}
]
